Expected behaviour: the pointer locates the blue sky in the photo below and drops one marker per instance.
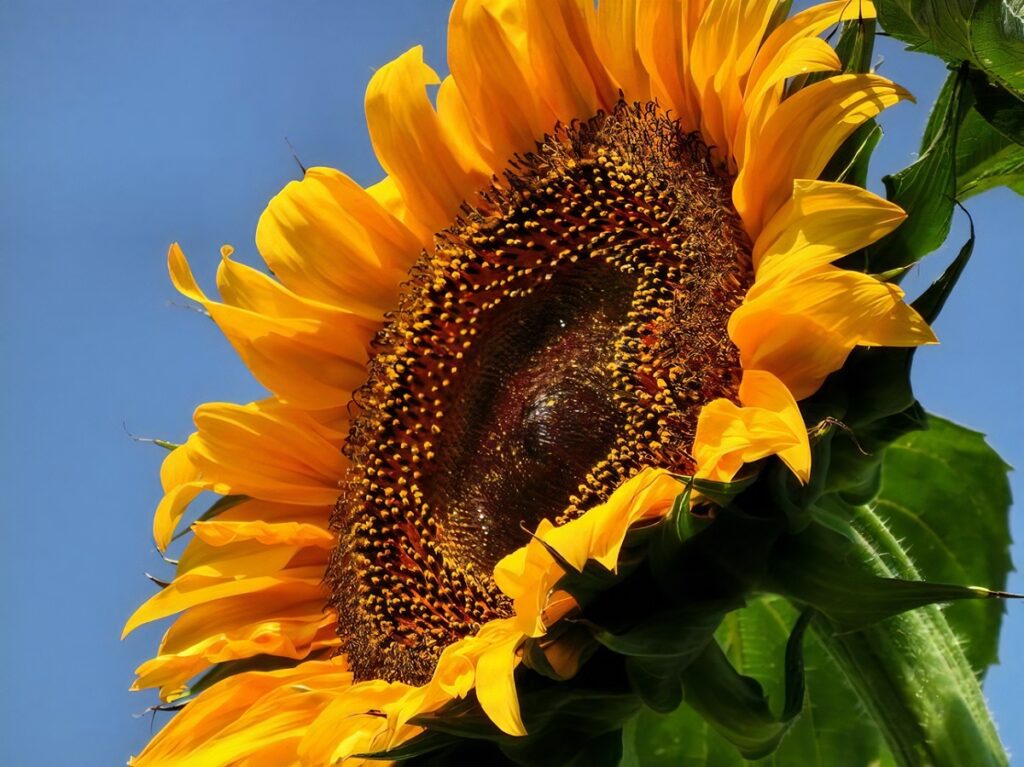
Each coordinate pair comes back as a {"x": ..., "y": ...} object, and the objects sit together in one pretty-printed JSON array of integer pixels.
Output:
[{"x": 130, "y": 124}]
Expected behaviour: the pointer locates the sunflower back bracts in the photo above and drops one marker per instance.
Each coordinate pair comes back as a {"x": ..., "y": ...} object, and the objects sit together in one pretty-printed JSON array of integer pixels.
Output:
[{"x": 645, "y": 634}]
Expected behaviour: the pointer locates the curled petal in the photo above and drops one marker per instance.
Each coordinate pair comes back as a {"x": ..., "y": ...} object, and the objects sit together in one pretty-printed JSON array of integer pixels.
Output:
[{"x": 767, "y": 423}]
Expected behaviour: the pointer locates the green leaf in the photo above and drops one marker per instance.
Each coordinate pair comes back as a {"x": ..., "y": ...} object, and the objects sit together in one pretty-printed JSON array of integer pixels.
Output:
[
  {"x": 832, "y": 729},
  {"x": 1002, "y": 109},
  {"x": 984, "y": 39},
  {"x": 986, "y": 158},
  {"x": 987, "y": 33},
  {"x": 945, "y": 492},
  {"x": 925, "y": 190}
]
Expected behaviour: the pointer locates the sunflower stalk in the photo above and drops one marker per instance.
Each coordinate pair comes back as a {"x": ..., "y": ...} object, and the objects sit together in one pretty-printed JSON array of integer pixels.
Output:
[{"x": 909, "y": 671}]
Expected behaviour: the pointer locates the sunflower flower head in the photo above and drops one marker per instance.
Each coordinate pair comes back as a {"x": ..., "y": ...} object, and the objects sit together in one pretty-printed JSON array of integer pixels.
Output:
[{"x": 597, "y": 278}]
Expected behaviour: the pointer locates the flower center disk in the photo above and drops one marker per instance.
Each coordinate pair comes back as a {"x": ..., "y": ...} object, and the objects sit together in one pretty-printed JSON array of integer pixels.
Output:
[{"x": 563, "y": 334}]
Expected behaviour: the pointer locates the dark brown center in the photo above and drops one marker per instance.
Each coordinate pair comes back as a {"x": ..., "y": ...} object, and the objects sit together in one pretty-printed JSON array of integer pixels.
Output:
[{"x": 563, "y": 334}]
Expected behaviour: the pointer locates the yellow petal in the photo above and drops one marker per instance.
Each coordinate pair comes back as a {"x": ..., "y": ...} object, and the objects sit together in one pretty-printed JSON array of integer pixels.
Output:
[
  {"x": 248, "y": 716},
  {"x": 362, "y": 720},
  {"x": 600, "y": 533},
  {"x": 243, "y": 558},
  {"x": 791, "y": 49},
  {"x": 290, "y": 355},
  {"x": 255, "y": 510},
  {"x": 804, "y": 329},
  {"x": 801, "y": 136},
  {"x": 191, "y": 590},
  {"x": 329, "y": 240},
  {"x": 768, "y": 423},
  {"x": 495, "y": 678},
  {"x": 269, "y": 451},
  {"x": 281, "y": 637},
  {"x": 288, "y": 620},
  {"x": 182, "y": 483},
  {"x": 723, "y": 51},
  {"x": 433, "y": 176},
  {"x": 527, "y": 576},
  {"x": 821, "y": 223}
]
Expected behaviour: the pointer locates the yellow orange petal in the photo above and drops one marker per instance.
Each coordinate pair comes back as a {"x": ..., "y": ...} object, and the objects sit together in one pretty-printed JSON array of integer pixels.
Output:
[
  {"x": 329, "y": 240},
  {"x": 568, "y": 73},
  {"x": 248, "y": 716},
  {"x": 800, "y": 137},
  {"x": 615, "y": 38},
  {"x": 433, "y": 175},
  {"x": 494, "y": 75},
  {"x": 290, "y": 355},
  {"x": 269, "y": 451},
  {"x": 804, "y": 329},
  {"x": 767, "y": 423},
  {"x": 664, "y": 32},
  {"x": 220, "y": 532},
  {"x": 822, "y": 222},
  {"x": 191, "y": 590}
]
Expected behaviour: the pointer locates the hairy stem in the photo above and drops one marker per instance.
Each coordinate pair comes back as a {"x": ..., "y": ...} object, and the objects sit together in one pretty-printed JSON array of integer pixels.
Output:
[{"x": 909, "y": 671}]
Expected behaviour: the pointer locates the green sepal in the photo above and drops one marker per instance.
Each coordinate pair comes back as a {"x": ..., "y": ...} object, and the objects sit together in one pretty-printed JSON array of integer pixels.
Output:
[
  {"x": 818, "y": 568},
  {"x": 426, "y": 742},
  {"x": 736, "y": 705},
  {"x": 930, "y": 303},
  {"x": 786, "y": 492},
  {"x": 534, "y": 657},
  {"x": 678, "y": 632},
  {"x": 561, "y": 718},
  {"x": 221, "y": 671},
  {"x": 216, "y": 508},
  {"x": 721, "y": 493},
  {"x": 566, "y": 748},
  {"x": 657, "y": 681}
]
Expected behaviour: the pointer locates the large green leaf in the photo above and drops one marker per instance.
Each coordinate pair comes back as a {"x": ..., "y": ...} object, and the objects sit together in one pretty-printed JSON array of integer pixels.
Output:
[
  {"x": 984, "y": 40},
  {"x": 925, "y": 189},
  {"x": 945, "y": 493},
  {"x": 987, "y": 33},
  {"x": 832, "y": 729},
  {"x": 986, "y": 158}
]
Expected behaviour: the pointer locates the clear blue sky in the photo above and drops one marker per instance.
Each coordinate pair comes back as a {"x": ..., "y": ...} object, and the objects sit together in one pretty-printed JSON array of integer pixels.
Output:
[{"x": 126, "y": 125}]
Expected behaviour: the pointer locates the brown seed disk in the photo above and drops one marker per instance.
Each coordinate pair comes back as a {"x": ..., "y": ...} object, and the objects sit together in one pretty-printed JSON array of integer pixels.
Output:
[{"x": 563, "y": 334}]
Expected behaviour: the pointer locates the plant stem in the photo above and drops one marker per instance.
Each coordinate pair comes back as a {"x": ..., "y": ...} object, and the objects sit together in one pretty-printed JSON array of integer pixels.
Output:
[{"x": 909, "y": 671}]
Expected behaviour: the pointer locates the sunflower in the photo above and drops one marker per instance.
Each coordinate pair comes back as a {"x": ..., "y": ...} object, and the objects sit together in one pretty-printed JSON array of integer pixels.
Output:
[{"x": 600, "y": 261}]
